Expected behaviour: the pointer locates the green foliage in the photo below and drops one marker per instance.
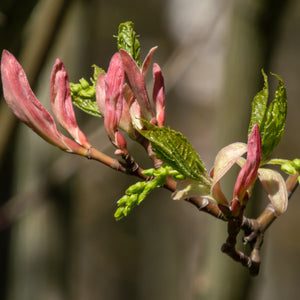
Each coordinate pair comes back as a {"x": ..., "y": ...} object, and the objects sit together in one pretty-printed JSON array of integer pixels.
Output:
[
  {"x": 175, "y": 150},
  {"x": 270, "y": 119},
  {"x": 84, "y": 94},
  {"x": 259, "y": 106},
  {"x": 137, "y": 192},
  {"x": 128, "y": 41}
]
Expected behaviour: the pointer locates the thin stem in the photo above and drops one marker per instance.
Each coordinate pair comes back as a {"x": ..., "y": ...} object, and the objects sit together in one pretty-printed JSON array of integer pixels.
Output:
[
  {"x": 129, "y": 167},
  {"x": 254, "y": 229},
  {"x": 95, "y": 154}
]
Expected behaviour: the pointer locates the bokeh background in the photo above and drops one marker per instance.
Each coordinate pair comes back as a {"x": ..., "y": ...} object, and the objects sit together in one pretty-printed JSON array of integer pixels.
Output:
[{"x": 58, "y": 237}]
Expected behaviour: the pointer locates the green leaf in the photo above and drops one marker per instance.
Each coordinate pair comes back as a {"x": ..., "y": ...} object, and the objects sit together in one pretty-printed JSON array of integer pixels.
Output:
[
  {"x": 97, "y": 71},
  {"x": 271, "y": 119},
  {"x": 275, "y": 120},
  {"x": 127, "y": 40},
  {"x": 174, "y": 149},
  {"x": 259, "y": 106},
  {"x": 84, "y": 94}
]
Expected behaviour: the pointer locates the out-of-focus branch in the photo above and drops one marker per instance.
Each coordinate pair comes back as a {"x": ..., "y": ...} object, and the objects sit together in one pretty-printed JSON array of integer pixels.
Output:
[
  {"x": 59, "y": 172},
  {"x": 254, "y": 230}
]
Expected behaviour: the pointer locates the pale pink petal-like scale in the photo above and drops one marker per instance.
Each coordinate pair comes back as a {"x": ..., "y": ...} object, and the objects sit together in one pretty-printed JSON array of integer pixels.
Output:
[
  {"x": 136, "y": 81},
  {"x": 248, "y": 173}
]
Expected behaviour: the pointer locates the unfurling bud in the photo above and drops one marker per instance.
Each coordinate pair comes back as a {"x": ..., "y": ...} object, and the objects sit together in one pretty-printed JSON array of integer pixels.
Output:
[
  {"x": 248, "y": 173},
  {"x": 296, "y": 163},
  {"x": 29, "y": 110},
  {"x": 61, "y": 103},
  {"x": 110, "y": 91},
  {"x": 288, "y": 168},
  {"x": 159, "y": 95},
  {"x": 136, "y": 81}
]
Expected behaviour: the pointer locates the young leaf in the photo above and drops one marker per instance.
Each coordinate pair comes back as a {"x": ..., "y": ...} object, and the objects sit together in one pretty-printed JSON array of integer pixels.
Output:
[
  {"x": 275, "y": 120},
  {"x": 271, "y": 119},
  {"x": 259, "y": 106},
  {"x": 127, "y": 40},
  {"x": 175, "y": 150},
  {"x": 97, "y": 71},
  {"x": 84, "y": 95}
]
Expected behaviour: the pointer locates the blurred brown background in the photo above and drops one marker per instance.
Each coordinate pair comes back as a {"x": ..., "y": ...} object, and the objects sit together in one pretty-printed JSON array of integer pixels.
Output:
[{"x": 58, "y": 237}]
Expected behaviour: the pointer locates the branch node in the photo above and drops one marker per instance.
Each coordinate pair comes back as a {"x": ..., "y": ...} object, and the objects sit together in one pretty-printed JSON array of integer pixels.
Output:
[{"x": 88, "y": 155}]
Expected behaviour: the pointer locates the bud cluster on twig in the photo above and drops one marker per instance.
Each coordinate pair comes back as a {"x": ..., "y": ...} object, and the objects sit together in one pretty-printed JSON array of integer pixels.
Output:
[{"x": 121, "y": 98}]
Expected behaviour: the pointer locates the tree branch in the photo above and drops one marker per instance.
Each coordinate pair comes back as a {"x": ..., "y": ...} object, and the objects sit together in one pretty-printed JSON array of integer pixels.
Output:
[{"x": 254, "y": 231}]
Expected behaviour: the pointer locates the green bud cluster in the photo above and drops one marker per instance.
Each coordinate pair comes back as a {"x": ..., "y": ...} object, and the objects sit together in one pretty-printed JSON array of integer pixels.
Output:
[
  {"x": 291, "y": 167},
  {"x": 84, "y": 94},
  {"x": 83, "y": 89},
  {"x": 137, "y": 192}
]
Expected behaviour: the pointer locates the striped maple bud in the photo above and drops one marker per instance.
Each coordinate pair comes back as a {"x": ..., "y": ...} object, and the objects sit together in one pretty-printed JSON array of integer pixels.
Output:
[
  {"x": 110, "y": 89},
  {"x": 61, "y": 103},
  {"x": 248, "y": 172},
  {"x": 136, "y": 81},
  {"x": 159, "y": 95},
  {"x": 29, "y": 110}
]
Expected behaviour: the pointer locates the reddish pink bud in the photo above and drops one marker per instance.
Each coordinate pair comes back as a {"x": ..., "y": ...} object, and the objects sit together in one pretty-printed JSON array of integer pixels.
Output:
[
  {"x": 120, "y": 141},
  {"x": 159, "y": 95},
  {"x": 248, "y": 173},
  {"x": 125, "y": 121},
  {"x": 134, "y": 111},
  {"x": 147, "y": 61},
  {"x": 113, "y": 96},
  {"x": 114, "y": 100},
  {"x": 110, "y": 120},
  {"x": 100, "y": 93},
  {"x": 26, "y": 106},
  {"x": 136, "y": 81},
  {"x": 114, "y": 80},
  {"x": 61, "y": 103}
]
